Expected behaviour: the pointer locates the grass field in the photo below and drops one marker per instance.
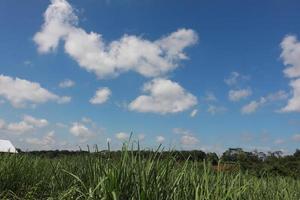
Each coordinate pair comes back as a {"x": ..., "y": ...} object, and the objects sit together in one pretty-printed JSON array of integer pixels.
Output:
[{"x": 131, "y": 177}]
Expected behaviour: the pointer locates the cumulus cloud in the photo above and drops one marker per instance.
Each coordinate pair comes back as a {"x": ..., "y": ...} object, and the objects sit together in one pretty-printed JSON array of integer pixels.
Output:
[
  {"x": 291, "y": 59},
  {"x": 160, "y": 139},
  {"x": 67, "y": 83},
  {"x": 148, "y": 58},
  {"x": 293, "y": 104},
  {"x": 187, "y": 138},
  {"x": 80, "y": 130},
  {"x": 165, "y": 96},
  {"x": 34, "y": 121},
  {"x": 237, "y": 95},
  {"x": 267, "y": 99},
  {"x": 194, "y": 113},
  {"x": 20, "y": 92},
  {"x": 213, "y": 109},
  {"x": 235, "y": 78},
  {"x": 28, "y": 123},
  {"x": 19, "y": 127},
  {"x": 210, "y": 97},
  {"x": 291, "y": 56},
  {"x": 278, "y": 96},
  {"x": 253, "y": 106},
  {"x": 48, "y": 139},
  {"x": 64, "y": 99},
  {"x": 122, "y": 136},
  {"x": 101, "y": 96}
]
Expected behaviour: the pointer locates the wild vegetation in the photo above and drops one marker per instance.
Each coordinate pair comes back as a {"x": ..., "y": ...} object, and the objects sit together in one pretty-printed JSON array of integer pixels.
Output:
[{"x": 149, "y": 175}]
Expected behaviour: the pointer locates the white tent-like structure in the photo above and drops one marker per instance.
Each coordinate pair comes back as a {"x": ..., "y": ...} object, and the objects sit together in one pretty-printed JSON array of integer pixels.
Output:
[{"x": 7, "y": 146}]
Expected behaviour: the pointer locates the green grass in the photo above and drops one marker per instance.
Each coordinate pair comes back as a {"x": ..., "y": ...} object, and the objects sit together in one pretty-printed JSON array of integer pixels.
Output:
[{"x": 131, "y": 177}]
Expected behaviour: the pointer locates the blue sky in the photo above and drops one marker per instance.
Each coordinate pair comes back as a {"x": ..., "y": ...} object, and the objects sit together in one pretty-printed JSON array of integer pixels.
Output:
[{"x": 188, "y": 74}]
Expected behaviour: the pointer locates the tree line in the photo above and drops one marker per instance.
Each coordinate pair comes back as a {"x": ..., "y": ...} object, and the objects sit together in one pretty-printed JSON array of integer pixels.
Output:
[{"x": 255, "y": 162}]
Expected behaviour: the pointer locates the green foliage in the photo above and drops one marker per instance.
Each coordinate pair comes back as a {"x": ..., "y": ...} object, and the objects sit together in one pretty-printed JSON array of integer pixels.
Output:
[{"x": 135, "y": 175}]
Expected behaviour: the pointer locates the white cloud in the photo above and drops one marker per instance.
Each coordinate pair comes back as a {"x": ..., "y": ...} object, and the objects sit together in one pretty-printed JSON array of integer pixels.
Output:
[
  {"x": 181, "y": 131},
  {"x": 235, "y": 78},
  {"x": 148, "y": 58},
  {"x": 64, "y": 99},
  {"x": 19, "y": 127},
  {"x": 67, "y": 83},
  {"x": 291, "y": 59},
  {"x": 59, "y": 20},
  {"x": 194, "y": 113},
  {"x": 28, "y": 123},
  {"x": 160, "y": 139},
  {"x": 188, "y": 140},
  {"x": 34, "y": 121},
  {"x": 187, "y": 137},
  {"x": 210, "y": 97},
  {"x": 122, "y": 136},
  {"x": 232, "y": 79},
  {"x": 293, "y": 104},
  {"x": 212, "y": 109},
  {"x": 48, "y": 139},
  {"x": 61, "y": 125},
  {"x": 296, "y": 138},
  {"x": 101, "y": 96},
  {"x": 272, "y": 97},
  {"x": 237, "y": 95},
  {"x": 20, "y": 92},
  {"x": 253, "y": 106},
  {"x": 165, "y": 96},
  {"x": 80, "y": 130},
  {"x": 291, "y": 56},
  {"x": 277, "y": 96}
]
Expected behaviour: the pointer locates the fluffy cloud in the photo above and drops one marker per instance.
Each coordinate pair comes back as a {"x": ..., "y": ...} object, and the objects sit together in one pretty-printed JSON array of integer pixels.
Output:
[
  {"x": 253, "y": 106},
  {"x": 28, "y": 123},
  {"x": 235, "y": 78},
  {"x": 236, "y": 95},
  {"x": 210, "y": 97},
  {"x": 187, "y": 137},
  {"x": 165, "y": 96},
  {"x": 272, "y": 97},
  {"x": 19, "y": 127},
  {"x": 194, "y": 113},
  {"x": 293, "y": 104},
  {"x": 34, "y": 121},
  {"x": 101, "y": 96},
  {"x": 188, "y": 140},
  {"x": 20, "y": 92},
  {"x": 67, "y": 83},
  {"x": 80, "y": 130},
  {"x": 48, "y": 139},
  {"x": 291, "y": 59},
  {"x": 122, "y": 136},
  {"x": 148, "y": 58},
  {"x": 291, "y": 56},
  {"x": 277, "y": 96},
  {"x": 213, "y": 109},
  {"x": 160, "y": 139}
]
